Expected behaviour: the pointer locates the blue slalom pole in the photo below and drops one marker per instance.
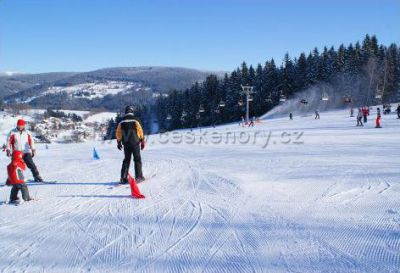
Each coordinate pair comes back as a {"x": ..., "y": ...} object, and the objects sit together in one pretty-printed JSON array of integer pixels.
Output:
[{"x": 95, "y": 155}]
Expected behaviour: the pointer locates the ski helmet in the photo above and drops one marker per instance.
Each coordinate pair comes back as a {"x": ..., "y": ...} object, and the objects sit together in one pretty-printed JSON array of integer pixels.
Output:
[
  {"x": 129, "y": 109},
  {"x": 17, "y": 156}
]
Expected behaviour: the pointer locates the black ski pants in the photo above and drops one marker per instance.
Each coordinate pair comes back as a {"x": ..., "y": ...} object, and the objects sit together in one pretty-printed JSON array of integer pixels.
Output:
[
  {"x": 130, "y": 150},
  {"x": 31, "y": 165}
]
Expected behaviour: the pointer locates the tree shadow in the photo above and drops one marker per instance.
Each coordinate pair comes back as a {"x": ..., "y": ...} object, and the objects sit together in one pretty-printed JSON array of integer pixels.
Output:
[
  {"x": 73, "y": 184},
  {"x": 95, "y": 196}
]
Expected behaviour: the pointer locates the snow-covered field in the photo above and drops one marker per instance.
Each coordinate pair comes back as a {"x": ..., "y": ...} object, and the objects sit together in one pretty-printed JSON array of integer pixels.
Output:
[
  {"x": 322, "y": 196},
  {"x": 103, "y": 117},
  {"x": 95, "y": 89}
]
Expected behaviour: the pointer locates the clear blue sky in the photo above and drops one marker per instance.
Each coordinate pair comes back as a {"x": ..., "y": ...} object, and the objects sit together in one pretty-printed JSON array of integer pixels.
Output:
[{"x": 82, "y": 35}]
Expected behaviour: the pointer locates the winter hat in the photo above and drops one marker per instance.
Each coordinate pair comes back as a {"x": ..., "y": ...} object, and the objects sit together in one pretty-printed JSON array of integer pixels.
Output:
[
  {"x": 129, "y": 109},
  {"x": 17, "y": 160},
  {"x": 21, "y": 122}
]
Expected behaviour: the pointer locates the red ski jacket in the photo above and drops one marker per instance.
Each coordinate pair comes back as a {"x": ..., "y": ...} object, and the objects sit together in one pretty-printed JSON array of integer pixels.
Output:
[{"x": 15, "y": 169}]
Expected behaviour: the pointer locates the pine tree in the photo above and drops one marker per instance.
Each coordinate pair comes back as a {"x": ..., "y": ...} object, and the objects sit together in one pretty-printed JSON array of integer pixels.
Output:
[{"x": 356, "y": 70}]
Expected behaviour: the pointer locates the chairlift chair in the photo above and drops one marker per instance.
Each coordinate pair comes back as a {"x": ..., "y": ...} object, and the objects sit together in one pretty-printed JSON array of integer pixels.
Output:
[
  {"x": 304, "y": 101},
  {"x": 348, "y": 99}
]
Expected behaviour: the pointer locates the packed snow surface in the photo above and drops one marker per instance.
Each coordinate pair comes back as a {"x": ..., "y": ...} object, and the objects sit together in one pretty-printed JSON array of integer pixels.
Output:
[{"x": 322, "y": 196}]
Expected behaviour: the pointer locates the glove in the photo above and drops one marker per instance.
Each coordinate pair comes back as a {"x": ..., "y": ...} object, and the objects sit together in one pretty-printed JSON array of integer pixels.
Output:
[
  {"x": 142, "y": 144},
  {"x": 33, "y": 153},
  {"x": 8, "y": 153},
  {"x": 119, "y": 145}
]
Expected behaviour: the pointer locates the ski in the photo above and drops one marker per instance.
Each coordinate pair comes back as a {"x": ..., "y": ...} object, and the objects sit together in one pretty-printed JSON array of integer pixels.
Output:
[
  {"x": 20, "y": 203},
  {"x": 118, "y": 184},
  {"x": 32, "y": 182}
]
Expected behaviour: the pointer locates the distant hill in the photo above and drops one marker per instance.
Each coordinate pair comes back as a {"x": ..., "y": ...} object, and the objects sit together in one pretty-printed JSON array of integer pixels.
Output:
[
  {"x": 14, "y": 83},
  {"x": 91, "y": 89}
]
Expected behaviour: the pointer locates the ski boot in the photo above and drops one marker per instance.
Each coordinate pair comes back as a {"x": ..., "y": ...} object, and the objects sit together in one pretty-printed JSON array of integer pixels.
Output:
[
  {"x": 140, "y": 179},
  {"x": 123, "y": 181},
  {"x": 15, "y": 202},
  {"x": 38, "y": 179}
]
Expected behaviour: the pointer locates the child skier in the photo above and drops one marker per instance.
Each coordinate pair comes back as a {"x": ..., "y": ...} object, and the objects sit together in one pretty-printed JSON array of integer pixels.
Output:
[
  {"x": 378, "y": 118},
  {"x": 16, "y": 178},
  {"x": 359, "y": 117},
  {"x": 317, "y": 115}
]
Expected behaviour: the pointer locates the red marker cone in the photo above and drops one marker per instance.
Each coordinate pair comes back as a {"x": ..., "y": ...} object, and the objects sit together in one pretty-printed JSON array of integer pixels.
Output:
[{"x": 135, "y": 192}]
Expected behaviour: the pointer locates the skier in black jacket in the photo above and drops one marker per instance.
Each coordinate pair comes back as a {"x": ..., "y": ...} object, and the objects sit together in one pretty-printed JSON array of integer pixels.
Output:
[
  {"x": 130, "y": 136},
  {"x": 398, "y": 111}
]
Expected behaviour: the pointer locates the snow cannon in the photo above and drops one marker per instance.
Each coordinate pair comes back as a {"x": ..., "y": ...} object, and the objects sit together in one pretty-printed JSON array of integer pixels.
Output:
[{"x": 135, "y": 192}]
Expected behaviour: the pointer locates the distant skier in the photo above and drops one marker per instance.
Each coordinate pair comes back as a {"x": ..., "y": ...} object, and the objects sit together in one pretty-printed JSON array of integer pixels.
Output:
[
  {"x": 398, "y": 111},
  {"x": 242, "y": 121},
  {"x": 20, "y": 139},
  {"x": 365, "y": 113},
  {"x": 16, "y": 178},
  {"x": 378, "y": 118},
  {"x": 317, "y": 115},
  {"x": 359, "y": 117},
  {"x": 352, "y": 112},
  {"x": 130, "y": 136},
  {"x": 290, "y": 116},
  {"x": 251, "y": 123}
]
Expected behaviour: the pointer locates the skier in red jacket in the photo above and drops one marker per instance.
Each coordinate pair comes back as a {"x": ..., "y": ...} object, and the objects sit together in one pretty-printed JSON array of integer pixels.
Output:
[
  {"x": 16, "y": 178},
  {"x": 365, "y": 113},
  {"x": 20, "y": 139}
]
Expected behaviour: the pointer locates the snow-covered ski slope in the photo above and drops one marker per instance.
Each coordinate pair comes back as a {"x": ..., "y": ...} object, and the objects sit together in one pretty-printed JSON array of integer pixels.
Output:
[{"x": 328, "y": 203}]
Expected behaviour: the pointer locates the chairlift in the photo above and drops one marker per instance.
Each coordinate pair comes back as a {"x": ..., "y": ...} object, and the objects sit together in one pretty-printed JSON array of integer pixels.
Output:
[
  {"x": 169, "y": 117},
  {"x": 221, "y": 103},
  {"x": 348, "y": 99},
  {"x": 268, "y": 99},
  {"x": 282, "y": 98},
  {"x": 201, "y": 109},
  {"x": 217, "y": 111},
  {"x": 325, "y": 97},
  {"x": 240, "y": 102},
  {"x": 303, "y": 101}
]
